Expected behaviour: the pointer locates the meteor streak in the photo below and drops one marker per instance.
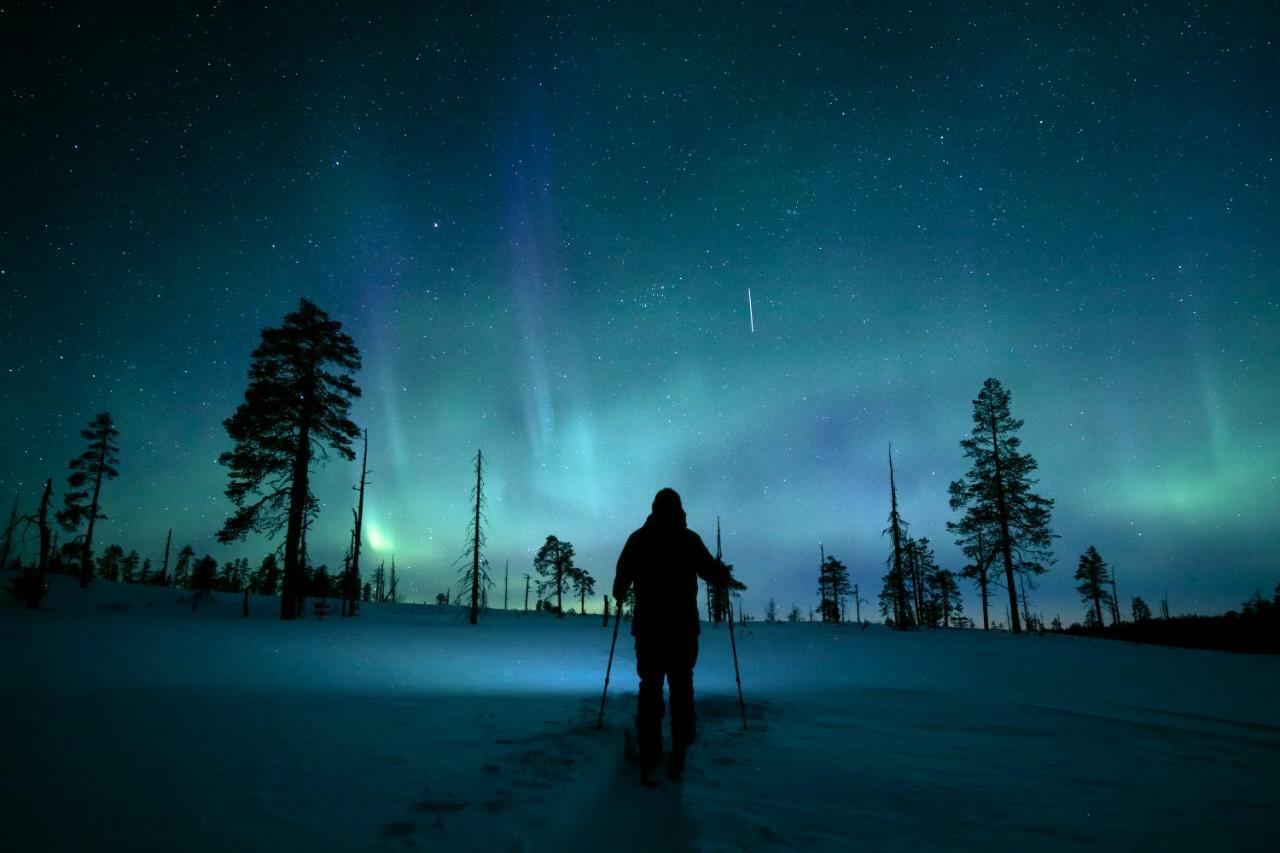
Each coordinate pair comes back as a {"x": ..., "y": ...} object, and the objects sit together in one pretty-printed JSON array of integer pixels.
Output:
[{"x": 751, "y": 312}]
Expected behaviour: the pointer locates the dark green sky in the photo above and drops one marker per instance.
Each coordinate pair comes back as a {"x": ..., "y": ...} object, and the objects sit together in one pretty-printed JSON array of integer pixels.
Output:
[{"x": 540, "y": 227}]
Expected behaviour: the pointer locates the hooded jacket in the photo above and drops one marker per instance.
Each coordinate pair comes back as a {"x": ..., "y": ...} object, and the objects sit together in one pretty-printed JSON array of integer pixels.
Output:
[{"x": 664, "y": 560}]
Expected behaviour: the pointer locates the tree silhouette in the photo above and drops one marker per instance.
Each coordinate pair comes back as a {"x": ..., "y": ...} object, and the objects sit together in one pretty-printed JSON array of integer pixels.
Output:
[
  {"x": 976, "y": 536},
  {"x": 473, "y": 581},
  {"x": 9, "y": 530},
  {"x": 833, "y": 588},
  {"x": 88, "y": 470},
  {"x": 1141, "y": 612},
  {"x": 30, "y": 586},
  {"x": 895, "y": 602},
  {"x": 351, "y": 576},
  {"x": 1094, "y": 577},
  {"x": 182, "y": 568},
  {"x": 295, "y": 409},
  {"x": 583, "y": 585},
  {"x": 554, "y": 562},
  {"x": 998, "y": 487}
]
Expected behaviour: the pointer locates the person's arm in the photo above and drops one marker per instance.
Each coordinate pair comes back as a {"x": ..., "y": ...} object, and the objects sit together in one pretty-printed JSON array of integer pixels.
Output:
[
  {"x": 625, "y": 574},
  {"x": 708, "y": 567}
]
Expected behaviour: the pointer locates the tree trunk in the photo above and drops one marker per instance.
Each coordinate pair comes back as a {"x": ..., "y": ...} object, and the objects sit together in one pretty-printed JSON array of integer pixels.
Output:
[
  {"x": 1006, "y": 542},
  {"x": 475, "y": 546},
  {"x": 559, "y": 588},
  {"x": 164, "y": 568},
  {"x": 358, "y": 534},
  {"x": 86, "y": 564},
  {"x": 291, "y": 592},
  {"x": 899, "y": 581},
  {"x": 984, "y": 579},
  {"x": 42, "y": 521},
  {"x": 8, "y": 534}
]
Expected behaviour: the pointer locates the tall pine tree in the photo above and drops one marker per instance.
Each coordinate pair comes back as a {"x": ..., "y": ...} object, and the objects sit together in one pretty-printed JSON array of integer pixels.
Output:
[
  {"x": 296, "y": 407},
  {"x": 88, "y": 470},
  {"x": 998, "y": 487},
  {"x": 895, "y": 602}
]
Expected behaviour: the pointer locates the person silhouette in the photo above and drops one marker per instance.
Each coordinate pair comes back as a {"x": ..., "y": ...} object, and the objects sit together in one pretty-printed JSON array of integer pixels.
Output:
[{"x": 663, "y": 561}]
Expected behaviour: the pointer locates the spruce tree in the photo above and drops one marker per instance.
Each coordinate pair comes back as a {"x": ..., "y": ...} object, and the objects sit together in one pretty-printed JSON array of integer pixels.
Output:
[
  {"x": 998, "y": 487},
  {"x": 296, "y": 407},
  {"x": 88, "y": 470},
  {"x": 1093, "y": 577}
]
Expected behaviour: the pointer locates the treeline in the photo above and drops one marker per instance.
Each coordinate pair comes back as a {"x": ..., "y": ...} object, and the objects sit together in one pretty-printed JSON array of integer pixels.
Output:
[{"x": 1255, "y": 627}]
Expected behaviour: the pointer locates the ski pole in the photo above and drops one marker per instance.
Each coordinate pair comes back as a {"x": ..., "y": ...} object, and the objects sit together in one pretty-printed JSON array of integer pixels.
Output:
[
  {"x": 609, "y": 668},
  {"x": 742, "y": 706}
]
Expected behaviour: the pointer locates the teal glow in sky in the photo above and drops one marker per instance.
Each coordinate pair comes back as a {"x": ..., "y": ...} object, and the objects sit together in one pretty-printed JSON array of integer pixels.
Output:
[{"x": 540, "y": 227}]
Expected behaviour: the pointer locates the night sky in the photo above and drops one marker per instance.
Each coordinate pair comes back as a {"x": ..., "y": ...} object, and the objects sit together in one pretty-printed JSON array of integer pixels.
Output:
[{"x": 540, "y": 227}]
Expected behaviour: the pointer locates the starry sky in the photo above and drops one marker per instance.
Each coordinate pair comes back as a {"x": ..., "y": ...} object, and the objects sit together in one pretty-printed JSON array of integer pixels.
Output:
[{"x": 540, "y": 222}]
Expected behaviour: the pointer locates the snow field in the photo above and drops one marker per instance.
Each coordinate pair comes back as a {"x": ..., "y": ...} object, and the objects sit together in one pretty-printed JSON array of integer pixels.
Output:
[{"x": 137, "y": 724}]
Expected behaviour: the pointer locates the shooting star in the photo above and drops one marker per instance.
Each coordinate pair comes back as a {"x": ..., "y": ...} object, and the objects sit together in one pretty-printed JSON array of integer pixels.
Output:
[{"x": 751, "y": 312}]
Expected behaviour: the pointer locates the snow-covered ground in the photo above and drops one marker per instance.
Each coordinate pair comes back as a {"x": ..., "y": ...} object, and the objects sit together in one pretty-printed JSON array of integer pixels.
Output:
[{"x": 132, "y": 723}]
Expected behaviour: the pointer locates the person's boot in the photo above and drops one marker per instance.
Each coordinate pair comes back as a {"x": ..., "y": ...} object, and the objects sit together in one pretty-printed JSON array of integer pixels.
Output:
[
  {"x": 648, "y": 772},
  {"x": 675, "y": 766}
]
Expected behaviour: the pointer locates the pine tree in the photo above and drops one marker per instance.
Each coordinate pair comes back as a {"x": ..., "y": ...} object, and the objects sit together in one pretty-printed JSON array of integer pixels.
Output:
[
  {"x": 1141, "y": 612},
  {"x": 583, "y": 585},
  {"x": 182, "y": 568},
  {"x": 975, "y": 534},
  {"x": 771, "y": 611},
  {"x": 473, "y": 581},
  {"x": 998, "y": 487},
  {"x": 895, "y": 602},
  {"x": 393, "y": 582},
  {"x": 833, "y": 588},
  {"x": 129, "y": 566},
  {"x": 202, "y": 575},
  {"x": 945, "y": 605},
  {"x": 42, "y": 526},
  {"x": 554, "y": 562},
  {"x": 81, "y": 504},
  {"x": 297, "y": 405},
  {"x": 1093, "y": 576},
  {"x": 109, "y": 563},
  {"x": 721, "y": 607}
]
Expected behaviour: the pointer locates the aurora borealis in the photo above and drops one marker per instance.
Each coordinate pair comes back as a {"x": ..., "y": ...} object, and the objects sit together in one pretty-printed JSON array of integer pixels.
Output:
[{"x": 540, "y": 223}]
